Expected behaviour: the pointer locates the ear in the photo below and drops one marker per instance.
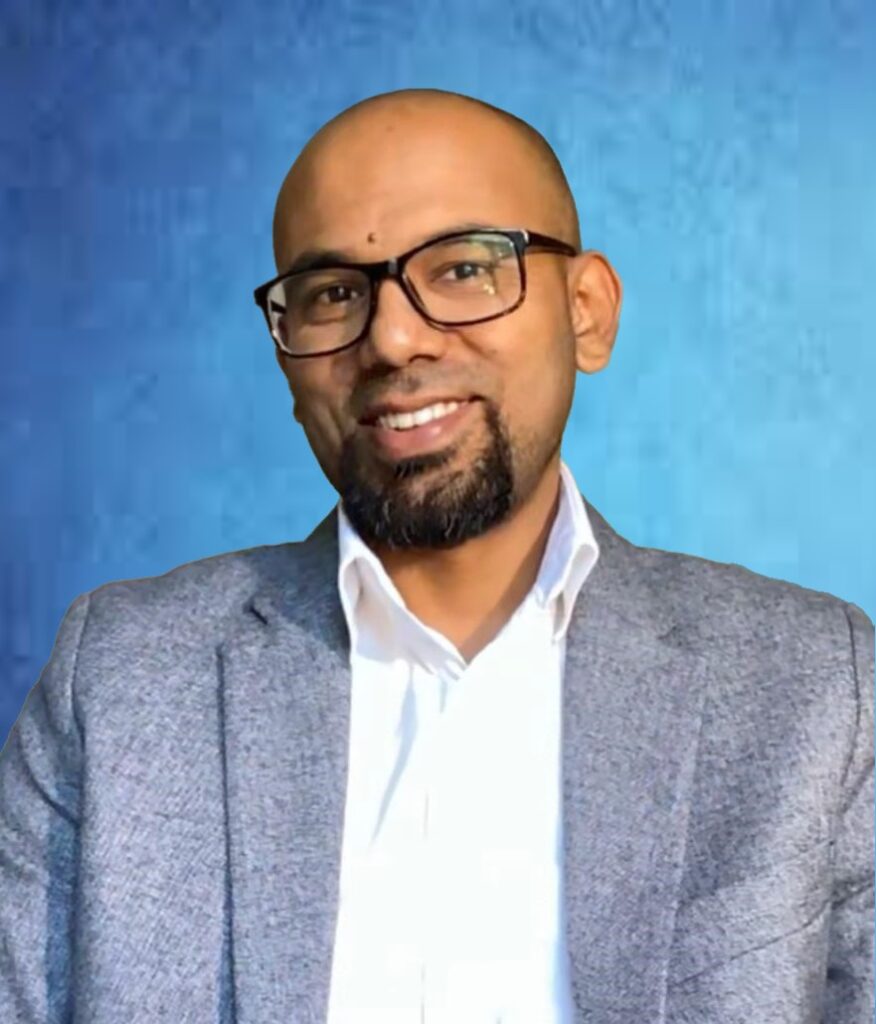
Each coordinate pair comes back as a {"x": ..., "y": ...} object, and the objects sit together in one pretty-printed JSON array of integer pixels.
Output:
[
  {"x": 282, "y": 362},
  {"x": 595, "y": 293}
]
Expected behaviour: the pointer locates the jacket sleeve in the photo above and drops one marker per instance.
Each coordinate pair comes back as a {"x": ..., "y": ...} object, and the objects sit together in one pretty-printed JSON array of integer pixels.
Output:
[
  {"x": 40, "y": 768},
  {"x": 849, "y": 985}
]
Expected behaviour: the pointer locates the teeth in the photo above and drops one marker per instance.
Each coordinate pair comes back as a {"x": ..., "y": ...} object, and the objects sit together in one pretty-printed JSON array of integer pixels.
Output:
[{"x": 406, "y": 420}]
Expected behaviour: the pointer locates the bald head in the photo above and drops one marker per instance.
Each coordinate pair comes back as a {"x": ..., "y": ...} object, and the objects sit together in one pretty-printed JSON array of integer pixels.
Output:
[{"x": 376, "y": 159}]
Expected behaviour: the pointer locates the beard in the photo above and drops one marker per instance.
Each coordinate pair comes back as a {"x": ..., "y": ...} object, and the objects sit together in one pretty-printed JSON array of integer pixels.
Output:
[{"x": 459, "y": 505}]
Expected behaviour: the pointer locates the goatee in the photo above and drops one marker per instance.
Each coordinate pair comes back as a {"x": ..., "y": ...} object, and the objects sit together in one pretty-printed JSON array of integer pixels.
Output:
[{"x": 460, "y": 504}]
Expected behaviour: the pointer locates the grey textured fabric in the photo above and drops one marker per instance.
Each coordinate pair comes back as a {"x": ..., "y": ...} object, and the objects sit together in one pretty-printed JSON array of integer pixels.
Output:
[{"x": 172, "y": 797}]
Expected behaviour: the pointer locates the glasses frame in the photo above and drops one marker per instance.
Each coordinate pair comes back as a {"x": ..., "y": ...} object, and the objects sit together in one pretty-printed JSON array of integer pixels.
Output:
[{"x": 394, "y": 269}]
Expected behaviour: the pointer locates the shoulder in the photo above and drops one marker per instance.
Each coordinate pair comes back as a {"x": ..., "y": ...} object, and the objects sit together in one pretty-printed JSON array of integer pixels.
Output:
[
  {"x": 191, "y": 606},
  {"x": 207, "y": 586},
  {"x": 720, "y": 601},
  {"x": 789, "y": 668},
  {"x": 161, "y": 634},
  {"x": 771, "y": 649}
]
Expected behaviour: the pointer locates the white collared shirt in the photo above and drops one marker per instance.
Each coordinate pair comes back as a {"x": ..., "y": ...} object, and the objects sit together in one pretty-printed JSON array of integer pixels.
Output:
[{"x": 451, "y": 908}]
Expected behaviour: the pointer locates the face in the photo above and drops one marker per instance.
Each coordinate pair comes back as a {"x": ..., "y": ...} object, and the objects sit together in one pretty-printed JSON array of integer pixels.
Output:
[{"x": 374, "y": 189}]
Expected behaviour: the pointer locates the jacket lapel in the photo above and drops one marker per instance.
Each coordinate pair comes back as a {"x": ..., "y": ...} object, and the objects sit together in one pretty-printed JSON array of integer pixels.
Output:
[
  {"x": 286, "y": 688},
  {"x": 632, "y": 705}
]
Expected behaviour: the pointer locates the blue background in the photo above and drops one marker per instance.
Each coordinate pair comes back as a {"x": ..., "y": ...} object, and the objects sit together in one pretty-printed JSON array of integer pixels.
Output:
[{"x": 722, "y": 156}]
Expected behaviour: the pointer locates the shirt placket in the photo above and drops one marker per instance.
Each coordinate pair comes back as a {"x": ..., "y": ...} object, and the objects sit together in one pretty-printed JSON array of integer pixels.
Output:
[{"x": 434, "y": 670}]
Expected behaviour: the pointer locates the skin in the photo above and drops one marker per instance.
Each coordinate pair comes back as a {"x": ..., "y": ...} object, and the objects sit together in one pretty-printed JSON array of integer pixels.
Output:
[{"x": 373, "y": 183}]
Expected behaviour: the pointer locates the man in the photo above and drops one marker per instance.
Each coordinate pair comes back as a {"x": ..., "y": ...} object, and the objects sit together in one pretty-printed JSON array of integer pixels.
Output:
[{"x": 464, "y": 754}]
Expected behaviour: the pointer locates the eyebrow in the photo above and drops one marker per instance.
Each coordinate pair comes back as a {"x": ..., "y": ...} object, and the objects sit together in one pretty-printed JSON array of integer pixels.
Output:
[{"x": 318, "y": 259}]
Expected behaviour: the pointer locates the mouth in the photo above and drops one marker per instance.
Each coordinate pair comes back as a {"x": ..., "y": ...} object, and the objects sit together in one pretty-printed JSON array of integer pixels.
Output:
[{"x": 401, "y": 434}]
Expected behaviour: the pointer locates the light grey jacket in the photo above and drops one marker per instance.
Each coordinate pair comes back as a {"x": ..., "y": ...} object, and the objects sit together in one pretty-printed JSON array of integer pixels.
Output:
[{"x": 172, "y": 797}]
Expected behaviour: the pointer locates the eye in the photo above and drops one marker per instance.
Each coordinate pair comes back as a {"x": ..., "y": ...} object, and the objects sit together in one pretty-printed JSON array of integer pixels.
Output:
[
  {"x": 462, "y": 271},
  {"x": 333, "y": 295}
]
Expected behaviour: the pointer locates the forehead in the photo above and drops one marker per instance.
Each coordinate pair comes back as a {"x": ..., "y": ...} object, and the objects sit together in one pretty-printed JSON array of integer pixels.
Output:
[{"x": 380, "y": 187}]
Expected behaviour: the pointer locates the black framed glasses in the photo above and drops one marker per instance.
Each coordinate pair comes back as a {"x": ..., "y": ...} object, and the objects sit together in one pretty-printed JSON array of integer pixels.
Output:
[{"x": 461, "y": 278}]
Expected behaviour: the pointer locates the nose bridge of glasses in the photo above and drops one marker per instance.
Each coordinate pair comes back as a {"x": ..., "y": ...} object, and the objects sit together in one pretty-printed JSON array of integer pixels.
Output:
[{"x": 394, "y": 270}]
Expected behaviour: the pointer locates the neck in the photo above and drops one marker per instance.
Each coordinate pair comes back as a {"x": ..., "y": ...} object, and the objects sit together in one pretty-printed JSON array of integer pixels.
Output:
[{"x": 469, "y": 592}]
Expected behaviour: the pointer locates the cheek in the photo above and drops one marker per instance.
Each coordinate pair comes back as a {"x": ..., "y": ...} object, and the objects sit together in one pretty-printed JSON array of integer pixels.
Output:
[
  {"x": 316, "y": 403},
  {"x": 539, "y": 371},
  {"x": 323, "y": 433},
  {"x": 319, "y": 420}
]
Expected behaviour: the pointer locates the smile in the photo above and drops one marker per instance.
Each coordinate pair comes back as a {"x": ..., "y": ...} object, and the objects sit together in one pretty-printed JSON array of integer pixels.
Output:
[
  {"x": 407, "y": 420},
  {"x": 402, "y": 434}
]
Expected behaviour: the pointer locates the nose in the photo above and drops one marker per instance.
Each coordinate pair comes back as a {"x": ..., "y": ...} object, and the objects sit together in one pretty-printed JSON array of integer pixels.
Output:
[{"x": 398, "y": 332}]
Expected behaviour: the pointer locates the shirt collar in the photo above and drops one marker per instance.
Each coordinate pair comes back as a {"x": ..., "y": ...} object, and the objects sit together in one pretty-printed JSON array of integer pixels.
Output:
[{"x": 570, "y": 555}]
